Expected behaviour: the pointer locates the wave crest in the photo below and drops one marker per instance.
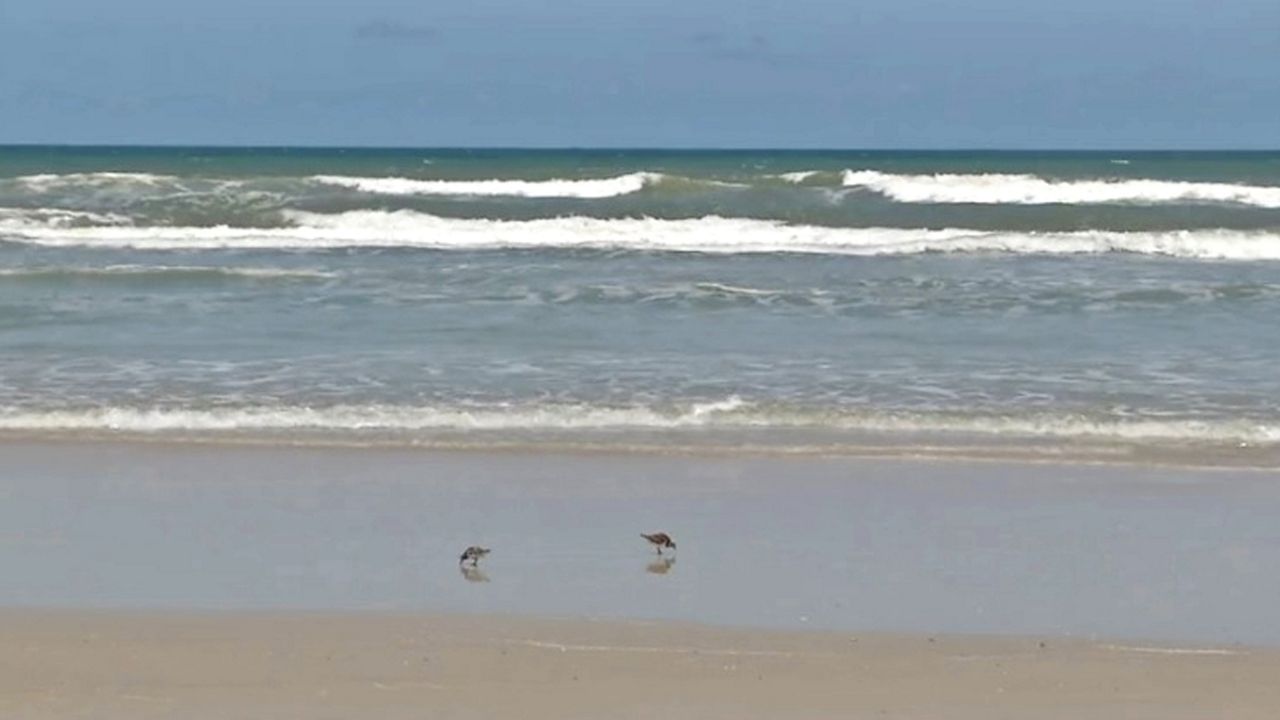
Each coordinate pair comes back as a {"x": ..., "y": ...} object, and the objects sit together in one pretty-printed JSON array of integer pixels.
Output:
[
  {"x": 993, "y": 189},
  {"x": 710, "y": 234},
  {"x": 47, "y": 182},
  {"x": 592, "y": 188},
  {"x": 57, "y": 218}
]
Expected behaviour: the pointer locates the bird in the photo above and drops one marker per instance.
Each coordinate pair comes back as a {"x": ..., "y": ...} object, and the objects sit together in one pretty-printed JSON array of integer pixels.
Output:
[
  {"x": 660, "y": 540},
  {"x": 473, "y": 553}
]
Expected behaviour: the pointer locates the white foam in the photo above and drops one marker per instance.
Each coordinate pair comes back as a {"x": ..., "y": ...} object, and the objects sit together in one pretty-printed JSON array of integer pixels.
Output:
[
  {"x": 722, "y": 288},
  {"x": 798, "y": 176},
  {"x": 57, "y": 217},
  {"x": 711, "y": 234},
  {"x": 148, "y": 270},
  {"x": 50, "y": 181},
  {"x": 730, "y": 413},
  {"x": 1172, "y": 650},
  {"x": 1034, "y": 190},
  {"x": 582, "y": 188},
  {"x": 363, "y": 417}
]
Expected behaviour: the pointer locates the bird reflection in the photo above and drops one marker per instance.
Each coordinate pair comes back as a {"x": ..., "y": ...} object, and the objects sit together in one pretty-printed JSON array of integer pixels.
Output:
[
  {"x": 473, "y": 574},
  {"x": 661, "y": 566}
]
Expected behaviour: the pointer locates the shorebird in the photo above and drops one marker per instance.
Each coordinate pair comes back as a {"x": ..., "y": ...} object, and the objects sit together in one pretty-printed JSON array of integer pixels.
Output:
[
  {"x": 660, "y": 540},
  {"x": 473, "y": 553}
]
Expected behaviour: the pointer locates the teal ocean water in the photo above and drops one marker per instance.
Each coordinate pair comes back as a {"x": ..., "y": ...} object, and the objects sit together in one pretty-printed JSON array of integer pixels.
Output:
[{"x": 840, "y": 301}]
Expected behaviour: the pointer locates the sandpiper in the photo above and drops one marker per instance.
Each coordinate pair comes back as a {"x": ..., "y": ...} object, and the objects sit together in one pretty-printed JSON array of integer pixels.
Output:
[
  {"x": 473, "y": 553},
  {"x": 660, "y": 540}
]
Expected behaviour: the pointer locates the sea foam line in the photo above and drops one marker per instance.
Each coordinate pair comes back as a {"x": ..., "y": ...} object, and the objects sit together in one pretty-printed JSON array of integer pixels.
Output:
[
  {"x": 994, "y": 189},
  {"x": 131, "y": 271},
  {"x": 1172, "y": 650},
  {"x": 45, "y": 182},
  {"x": 711, "y": 234},
  {"x": 364, "y": 417},
  {"x": 731, "y": 413},
  {"x": 57, "y": 217},
  {"x": 589, "y": 188},
  {"x": 798, "y": 176},
  {"x": 654, "y": 649}
]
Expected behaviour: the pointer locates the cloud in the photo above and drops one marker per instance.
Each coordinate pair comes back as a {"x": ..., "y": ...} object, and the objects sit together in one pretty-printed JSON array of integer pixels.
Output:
[{"x": 389, "y": 30}]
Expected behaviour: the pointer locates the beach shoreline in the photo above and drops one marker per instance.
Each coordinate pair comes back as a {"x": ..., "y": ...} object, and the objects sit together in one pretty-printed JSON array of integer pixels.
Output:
[
  {"x": 1028, "y": 451},
  {"x": 156, "y": 580},
  {"x": 200, "y": 665},
  {"x": 790, "y": 543}
]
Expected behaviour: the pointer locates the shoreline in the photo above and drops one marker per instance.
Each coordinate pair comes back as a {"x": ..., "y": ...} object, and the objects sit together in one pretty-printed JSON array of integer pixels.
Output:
[
  {"x": 16, "y": 615},
  {"x": 791, "y": 543},
  {"x": 1196, "y": 457},
  {"x": 199, "y": 665}
]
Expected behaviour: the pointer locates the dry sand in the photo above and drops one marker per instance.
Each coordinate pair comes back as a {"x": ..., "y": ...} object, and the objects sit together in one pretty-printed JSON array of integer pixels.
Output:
[{"x": 77, "y": 664}]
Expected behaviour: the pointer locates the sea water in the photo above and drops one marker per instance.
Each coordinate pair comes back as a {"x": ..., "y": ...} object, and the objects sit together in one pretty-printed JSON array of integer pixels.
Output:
[{"x": 840, "y": 301}]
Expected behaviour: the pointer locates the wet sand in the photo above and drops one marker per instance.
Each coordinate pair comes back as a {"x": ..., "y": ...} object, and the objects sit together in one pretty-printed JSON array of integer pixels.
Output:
[
  {"x": 158, "y": 580},
  {"x": 297, "y": 665},
  {"x": 787, "y": 543}
]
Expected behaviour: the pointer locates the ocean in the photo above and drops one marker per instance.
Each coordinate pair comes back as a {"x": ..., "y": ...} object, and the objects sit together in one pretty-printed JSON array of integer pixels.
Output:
[{"x": 1050, "y": 304}]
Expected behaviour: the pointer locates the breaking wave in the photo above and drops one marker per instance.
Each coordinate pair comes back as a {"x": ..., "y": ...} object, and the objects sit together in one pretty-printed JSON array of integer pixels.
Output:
[
  {"x": 942, "y": 188},
  {"x": 593, "y": 188},
  {"x": 57, "y": 217},
  {"x": 727, "y": 414},
  {"x": 48, "y": 182},
  {"x": 711, "y": 234},
  {"x": 996, "y": 189},
  {"x": 798, "y": 176}
]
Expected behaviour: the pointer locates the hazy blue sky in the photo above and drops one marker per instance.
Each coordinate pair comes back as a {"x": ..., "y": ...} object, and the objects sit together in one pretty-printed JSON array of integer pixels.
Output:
[{"x": 802, "y": 73}]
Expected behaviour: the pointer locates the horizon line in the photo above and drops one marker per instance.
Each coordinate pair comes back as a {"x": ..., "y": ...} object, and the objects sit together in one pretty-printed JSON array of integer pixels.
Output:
[{"x": 630, "y": 148}]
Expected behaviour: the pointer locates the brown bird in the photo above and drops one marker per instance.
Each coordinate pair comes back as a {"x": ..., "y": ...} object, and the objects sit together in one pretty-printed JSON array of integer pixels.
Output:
[
  {"x": 660, "y": 540},
  {"x": 473, "y": 553}
]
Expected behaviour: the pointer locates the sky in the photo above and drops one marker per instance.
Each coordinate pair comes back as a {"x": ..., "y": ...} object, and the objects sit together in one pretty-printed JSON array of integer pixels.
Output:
[{"x": 663, "y": 73}]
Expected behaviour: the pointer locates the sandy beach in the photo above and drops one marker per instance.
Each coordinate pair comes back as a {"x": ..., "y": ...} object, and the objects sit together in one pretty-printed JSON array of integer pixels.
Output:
[
  {"x": 163, "y": 580},
  {"x": 639, "y": 361},
  {"x": 160, "y": 665}
]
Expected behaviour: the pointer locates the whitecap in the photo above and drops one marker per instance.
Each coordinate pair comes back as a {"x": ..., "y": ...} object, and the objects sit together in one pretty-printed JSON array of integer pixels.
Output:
[
  {"x": 710, "y": 234},
  {"x": 991, "y": 189},
  {"x": 590, "y": 188}
]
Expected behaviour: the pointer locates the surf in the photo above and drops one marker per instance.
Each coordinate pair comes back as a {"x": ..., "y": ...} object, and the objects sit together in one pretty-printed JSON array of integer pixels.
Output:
[
  {"x": 592, "y": 188},
  {"x": 1002, "y": 189},
  {"x": 308, "y": 231},
  {"x": 728, "y": 414}
]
